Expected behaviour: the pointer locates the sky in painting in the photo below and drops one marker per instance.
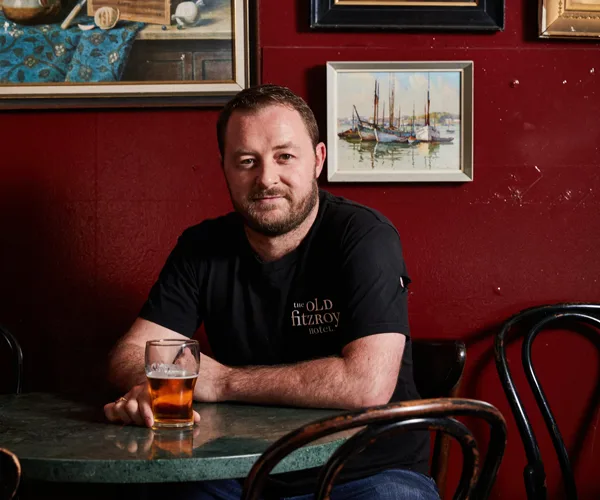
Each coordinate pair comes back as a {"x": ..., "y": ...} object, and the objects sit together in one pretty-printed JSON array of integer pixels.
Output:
[{"x": 357, "y": 88}]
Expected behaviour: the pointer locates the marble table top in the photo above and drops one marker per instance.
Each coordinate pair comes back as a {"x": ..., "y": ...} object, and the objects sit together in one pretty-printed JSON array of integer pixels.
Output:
[{"x": 58, "y": 438}]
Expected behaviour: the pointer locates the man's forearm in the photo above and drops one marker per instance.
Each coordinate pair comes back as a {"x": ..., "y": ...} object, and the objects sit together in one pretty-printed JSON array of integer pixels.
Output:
[
  {"x": 321, "y": 383},
  {"x": 126, "y": 366}
]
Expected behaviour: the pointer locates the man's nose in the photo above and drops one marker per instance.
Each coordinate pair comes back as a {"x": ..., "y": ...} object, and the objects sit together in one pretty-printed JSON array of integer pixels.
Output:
[{"x": 268, "y": 174}]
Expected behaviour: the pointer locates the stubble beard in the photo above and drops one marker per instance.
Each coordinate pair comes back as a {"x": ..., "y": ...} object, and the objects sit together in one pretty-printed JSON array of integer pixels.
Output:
[{"x": 259, "y": 220}]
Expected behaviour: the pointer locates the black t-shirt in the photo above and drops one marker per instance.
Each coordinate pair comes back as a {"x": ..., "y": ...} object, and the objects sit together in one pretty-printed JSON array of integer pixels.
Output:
[{"x": 346, "y": 280}]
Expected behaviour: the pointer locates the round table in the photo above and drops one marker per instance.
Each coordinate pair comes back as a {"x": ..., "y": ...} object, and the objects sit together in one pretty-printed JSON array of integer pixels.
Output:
[{"x": 58, "y": 438}]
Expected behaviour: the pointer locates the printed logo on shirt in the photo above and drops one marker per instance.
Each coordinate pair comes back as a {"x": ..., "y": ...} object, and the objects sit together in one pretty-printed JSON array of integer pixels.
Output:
[{"x": 317, "y": 314}]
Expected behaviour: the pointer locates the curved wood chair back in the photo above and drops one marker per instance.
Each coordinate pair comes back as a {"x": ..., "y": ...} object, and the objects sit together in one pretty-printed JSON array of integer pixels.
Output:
[
  {"x": 532, "y": 321},
  {"x": 383, "y": 421},
  {"x": 16, "y": 355},
  {"x": 10, "y": 474},
  {"x": 438, "y": 366}
]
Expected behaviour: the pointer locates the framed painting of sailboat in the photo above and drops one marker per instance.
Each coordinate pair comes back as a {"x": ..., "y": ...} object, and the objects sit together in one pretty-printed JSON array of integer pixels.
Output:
[{"x": 400, "y": 121}]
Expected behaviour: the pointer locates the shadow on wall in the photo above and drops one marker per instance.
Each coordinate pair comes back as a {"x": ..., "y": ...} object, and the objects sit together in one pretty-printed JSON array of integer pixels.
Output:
[{"x": 50, "y": 296}]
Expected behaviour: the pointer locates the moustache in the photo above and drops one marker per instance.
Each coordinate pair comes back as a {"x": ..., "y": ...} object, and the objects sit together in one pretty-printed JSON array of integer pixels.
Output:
[{"x": 267, "y": 194}]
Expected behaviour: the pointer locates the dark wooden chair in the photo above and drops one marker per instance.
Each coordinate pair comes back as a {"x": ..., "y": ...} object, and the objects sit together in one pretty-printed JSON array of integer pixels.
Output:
[
  {"x": 438, "y": 367},
  {"x": 16, "y": 354},
  {"x": 530, "y": 323},
  {"x": 10, "y": 474},
  {"x": 437, "y": 370},
  {"x": 386, "y": 420}
]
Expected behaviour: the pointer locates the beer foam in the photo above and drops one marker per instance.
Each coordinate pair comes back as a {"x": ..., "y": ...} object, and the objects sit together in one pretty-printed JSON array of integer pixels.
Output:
[{"x": 163, "y": 370}]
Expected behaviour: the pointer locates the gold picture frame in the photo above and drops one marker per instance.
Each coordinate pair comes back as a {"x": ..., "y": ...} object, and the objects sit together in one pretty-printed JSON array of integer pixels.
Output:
[
  {"x": 202, "y": 65},
  {"x": 569, "y": 19}
]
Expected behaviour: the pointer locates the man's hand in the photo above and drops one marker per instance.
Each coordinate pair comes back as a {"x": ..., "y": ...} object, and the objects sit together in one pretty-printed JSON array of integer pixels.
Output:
[{"x": 134, "y": 408}]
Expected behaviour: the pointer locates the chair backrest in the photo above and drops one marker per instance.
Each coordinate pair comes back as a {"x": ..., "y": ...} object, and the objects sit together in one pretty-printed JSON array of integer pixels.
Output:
[
  {"x": 438, "y": 366},
  {"x": 17, "y": 359},
  {"x": 530, "y": 322},
  {"x": 437, "y": 370},
  {"x": 381, "y": 422},
  {"x": 10, "y": 474}
]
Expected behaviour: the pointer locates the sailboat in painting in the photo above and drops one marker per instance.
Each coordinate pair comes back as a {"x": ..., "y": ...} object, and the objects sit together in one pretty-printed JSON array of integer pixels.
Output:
[
  {"x": 352, "y": 134},
  {"x": 429, "y": 132},
  {"x": 376, "y": 131}
]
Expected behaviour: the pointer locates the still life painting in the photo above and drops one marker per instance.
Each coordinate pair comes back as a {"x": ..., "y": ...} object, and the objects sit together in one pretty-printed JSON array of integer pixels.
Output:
[
  {"x": 122, "y": 48},
  {"x": 400, "y": 121}
]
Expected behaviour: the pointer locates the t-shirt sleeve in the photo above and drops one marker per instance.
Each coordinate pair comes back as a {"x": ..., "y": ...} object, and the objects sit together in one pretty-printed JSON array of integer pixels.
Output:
[
  {"x": 374, "y": 281},
  {"x": 174, "y": 300}
]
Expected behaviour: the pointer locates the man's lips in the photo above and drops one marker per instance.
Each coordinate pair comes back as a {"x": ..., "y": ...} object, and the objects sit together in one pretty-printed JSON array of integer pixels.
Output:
[{"x": 268, "y": 198}]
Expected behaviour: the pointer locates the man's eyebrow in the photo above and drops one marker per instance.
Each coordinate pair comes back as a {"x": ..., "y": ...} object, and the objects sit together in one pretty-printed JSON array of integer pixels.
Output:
[
  {"x": 247, "y": 152},
  {"x": 243, "y": 152},
  {"x": 286, "y": 145}
]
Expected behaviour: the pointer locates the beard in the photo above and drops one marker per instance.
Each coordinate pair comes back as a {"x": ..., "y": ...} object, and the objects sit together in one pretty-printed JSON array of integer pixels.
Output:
[{"x": 260, "y": 220}]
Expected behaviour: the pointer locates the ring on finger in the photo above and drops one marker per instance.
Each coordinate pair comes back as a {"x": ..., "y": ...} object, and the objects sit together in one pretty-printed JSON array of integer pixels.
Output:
[{"x": 121, "y": 400}]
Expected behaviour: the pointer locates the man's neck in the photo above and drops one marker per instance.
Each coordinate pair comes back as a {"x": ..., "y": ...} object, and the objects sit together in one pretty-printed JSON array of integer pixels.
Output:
[{"x": 271, "y": 248}]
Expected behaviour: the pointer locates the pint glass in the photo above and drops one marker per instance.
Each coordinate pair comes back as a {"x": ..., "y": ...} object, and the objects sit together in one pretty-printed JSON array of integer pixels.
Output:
[{"x": 172, "y": 369}]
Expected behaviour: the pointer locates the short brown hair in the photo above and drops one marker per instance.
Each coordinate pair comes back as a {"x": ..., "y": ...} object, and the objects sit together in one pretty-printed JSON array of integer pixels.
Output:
[{"x": 262, "y": 96}]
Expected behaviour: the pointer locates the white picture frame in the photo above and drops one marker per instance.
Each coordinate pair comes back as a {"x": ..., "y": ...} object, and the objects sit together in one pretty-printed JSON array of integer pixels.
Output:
[{"x": 404, "y": 145}]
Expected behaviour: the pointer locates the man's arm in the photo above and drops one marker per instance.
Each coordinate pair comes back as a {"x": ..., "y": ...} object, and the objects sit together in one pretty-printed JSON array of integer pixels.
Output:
[
  {"x": 126, "y": 360},
  {"x": 365, "y": 375}
]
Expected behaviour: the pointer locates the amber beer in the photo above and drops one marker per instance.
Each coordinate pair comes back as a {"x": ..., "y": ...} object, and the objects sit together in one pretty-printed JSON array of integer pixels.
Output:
[{"x": 172, "y": 396}]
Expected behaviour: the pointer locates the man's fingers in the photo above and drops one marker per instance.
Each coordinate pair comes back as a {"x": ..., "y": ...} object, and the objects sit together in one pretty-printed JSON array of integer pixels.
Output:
[
  {"x": 146, "y": 413},
  {"x": 132, "y": 409},
  {"x": 110, "y": 412},
  {"x": 121, "y": 412},
  {"x": 196, "y": 417}
]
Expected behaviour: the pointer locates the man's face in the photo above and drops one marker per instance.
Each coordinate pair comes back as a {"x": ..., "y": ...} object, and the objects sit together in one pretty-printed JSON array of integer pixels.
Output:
[{"x": 271, "y": 168}]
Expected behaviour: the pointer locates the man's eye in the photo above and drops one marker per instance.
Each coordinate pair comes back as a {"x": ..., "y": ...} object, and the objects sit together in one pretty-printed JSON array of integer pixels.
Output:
[
  {"x": 247, "y": 162},
  {"x": 285, "y": 157}
]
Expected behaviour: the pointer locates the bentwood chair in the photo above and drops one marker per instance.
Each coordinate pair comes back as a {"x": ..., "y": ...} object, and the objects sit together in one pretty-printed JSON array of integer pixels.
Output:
[
  {"x": 437, "y": 370},
  {"x": 16, "y": 355},
  {"x": 383, "y": 421},
  {"x": 10, "y": 474},
  {"x": 530, "y": 323}
]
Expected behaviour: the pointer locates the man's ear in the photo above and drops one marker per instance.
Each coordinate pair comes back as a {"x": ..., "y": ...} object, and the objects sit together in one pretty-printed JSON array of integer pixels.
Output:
[{"x": 320, "y": 154}]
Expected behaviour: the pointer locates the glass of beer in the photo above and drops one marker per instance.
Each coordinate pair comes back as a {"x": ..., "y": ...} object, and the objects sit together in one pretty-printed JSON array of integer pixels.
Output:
[{"x": 172, "y": 367}]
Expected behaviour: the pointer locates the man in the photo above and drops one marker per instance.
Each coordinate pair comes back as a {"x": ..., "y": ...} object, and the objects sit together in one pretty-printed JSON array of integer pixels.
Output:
[{"x": 302, "y": 296}]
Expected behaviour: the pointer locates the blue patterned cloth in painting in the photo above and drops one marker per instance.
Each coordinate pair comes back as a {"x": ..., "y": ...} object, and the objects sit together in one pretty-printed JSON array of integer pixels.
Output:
[{"x": 47, "y": 54}]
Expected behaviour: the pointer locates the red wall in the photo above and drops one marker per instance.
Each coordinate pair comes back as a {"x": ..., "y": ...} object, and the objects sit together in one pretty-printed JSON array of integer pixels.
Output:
[{"x": 92, "y": 201}]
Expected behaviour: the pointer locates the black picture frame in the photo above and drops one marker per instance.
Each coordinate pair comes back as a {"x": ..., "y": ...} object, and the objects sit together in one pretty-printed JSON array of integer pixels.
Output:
[{"x": 352, "y": 15}]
